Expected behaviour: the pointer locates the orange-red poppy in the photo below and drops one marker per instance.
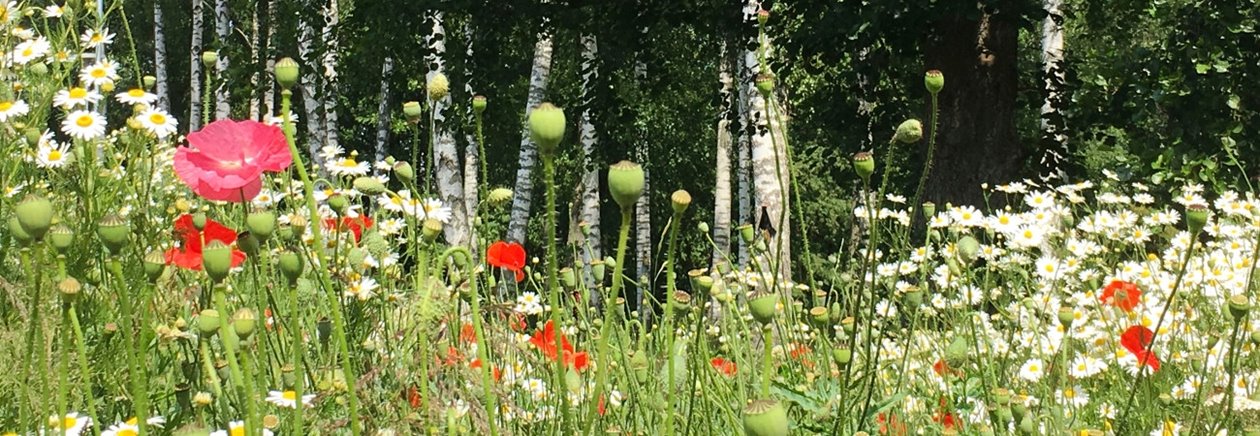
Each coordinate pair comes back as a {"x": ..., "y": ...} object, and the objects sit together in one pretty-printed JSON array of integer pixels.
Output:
[
  {"x": 1121, "y": 294},
  {"x": 509, "y": 256},
  {"x": 724, "y": 367}
]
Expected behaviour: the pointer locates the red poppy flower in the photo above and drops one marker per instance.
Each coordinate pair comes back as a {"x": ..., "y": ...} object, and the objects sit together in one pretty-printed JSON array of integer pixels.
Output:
[
  {"x": 1137, "y": 339},
  {"x": 467, "y": 333},
  {"x": 890, "y": 425},
  {"x": 545, "y": 341},
  {"x": 188, "y": 255},
  {"x": 224, "y": 161},
  {"x": 723, "y": 366},
  {"x": 495, "y": 372},
  {"x": 941, "y": 368},
  {"x": 509, "y": 256},
  {"x": 355, "y": 225},
  {"x": 1121, "y": 294}
]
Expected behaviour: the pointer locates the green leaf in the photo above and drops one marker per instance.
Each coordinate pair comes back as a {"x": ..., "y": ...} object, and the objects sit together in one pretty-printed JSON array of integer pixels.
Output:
[
  {"x": 1202, "y": 68},
  {"x": 1232, "y": 101}
]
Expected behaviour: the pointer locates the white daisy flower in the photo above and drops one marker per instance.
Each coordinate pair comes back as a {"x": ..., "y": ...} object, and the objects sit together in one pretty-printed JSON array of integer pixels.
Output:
[
  {"x": 135, "y": 96},
  {"x": 54, "y": 11},
  {"x": 347, "y": 166},
  {"x": 27, "y": 51},
  {"x": 99, "y": 74},
  {"x": 157, "y": 122},
  {"x": 93, "y": 38},
  {"x": 1073, "y": 396},
  {"x": 72, "y": 424},
  {"x": 434, "y": 209},
  {"x": 13, "y": 109},
  {"x": 362, "y": 289},
  {"x": 1032, "y": 370},
  {"x": 288, "y": 399},
  {"x": 74, "y": 97},
  {"x": 86, "y": 125},
  {"x": 277, "y": 120},
  {"x": 50, "y": 154},
  {"x": 236, "y": 428}
]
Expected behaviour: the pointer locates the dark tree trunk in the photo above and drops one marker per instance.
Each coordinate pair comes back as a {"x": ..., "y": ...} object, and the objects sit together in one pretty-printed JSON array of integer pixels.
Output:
[{"x": 977, "y": 142}]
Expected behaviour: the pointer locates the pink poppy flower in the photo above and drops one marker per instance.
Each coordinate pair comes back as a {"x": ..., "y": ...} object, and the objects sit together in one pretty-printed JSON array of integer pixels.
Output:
[{"x": 224, "y": 160}]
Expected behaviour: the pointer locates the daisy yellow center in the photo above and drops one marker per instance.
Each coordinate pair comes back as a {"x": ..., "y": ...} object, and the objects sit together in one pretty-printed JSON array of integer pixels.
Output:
[
  {"x": 290, "y": 395},
  {"x": 158, "y": 119},
  {"x": 237, "y": 431},
  {"x": 348, "y": 162},
  {"x": 126, "y": 432},
  {"x": 54, "y": 155},
  {"x": 1034, "y": 368},
  {"x": 136, "y": 93},
  {"x": 28, "y": 51},
  {"x": 1028, "y": 234},
  {"x": 5, "y": 105},
  {"x": 96, "y": 38},
  {"x": 98, "y": 73},
  {"x": 396, "y": 200},
  {"x": 78, "y": 93},
  {"x": 1069, "y": 393},
  {"x": 69, "y": 422},
  {"x": 84, "y": 121}
]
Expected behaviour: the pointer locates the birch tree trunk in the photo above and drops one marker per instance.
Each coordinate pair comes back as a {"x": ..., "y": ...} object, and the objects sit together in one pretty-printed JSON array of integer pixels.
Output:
[
  {"x": 770, "y": 167},
  {"x": 524, "y": 190},
  {"x": 223, "y": 28},
  {"x": 332, "y": 17},
  {"x": 743, "y": 157},
  {"x": 310, "y": 98},
  {"x": 255, "y": 54},
  {"x": 269, "y": 86},
  {"x": 1052, "y": 123},
  {"x": 643, "y": 209},
  {"x": 194, "y": 67},
  {"x": 445, "y": 155},
  {"x": 382, "y": 114},
  {"x": 471, "y": 154},
  {"x": 159, "y": 57},
  {"x": 722, "y": 166},
  {"x": 590, "y": 180}
]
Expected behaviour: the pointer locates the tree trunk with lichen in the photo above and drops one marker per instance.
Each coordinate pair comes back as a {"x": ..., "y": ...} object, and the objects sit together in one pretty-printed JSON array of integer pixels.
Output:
[
  {"x": 449, "y": 175},
  {"x": 522, "y": 195}
]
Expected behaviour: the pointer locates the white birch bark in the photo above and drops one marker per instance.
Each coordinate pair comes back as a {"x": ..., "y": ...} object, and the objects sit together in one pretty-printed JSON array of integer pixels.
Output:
[
  {"x": 722, "y": 167},
  {"x": 223, "y": 29},
  {"x": 269, "y": 86},
  {"x": 743, "y": 157},
  {"x": 382, "y": 114},
  {"x": 255, "y": 108},
  {"x": 1052, "y": 130},
  {"x": 449, "y": 176},
  {"x": 194, "y": 67},
  {"x": 643, "y": 211},
  {"x": 159, "y": 57},
  {"x": 769, "y": 167},
  {"x": 524, "y": 190},
  {"x": 310, "y": 98},
  {"x": 332, "y": 17},
  {"x": 472, "y": 156},
  {"x": 590, "y": 180}
]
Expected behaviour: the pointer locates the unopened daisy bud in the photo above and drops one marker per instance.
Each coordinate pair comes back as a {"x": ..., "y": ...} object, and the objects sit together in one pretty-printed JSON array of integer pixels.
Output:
[
  {"x": 1196, "y": 218},
  {"x": 934, "y": 81},
  {"x": 765, "y": 417},
  {"x": 431, "y": 230},
  {"x": 762, "y": 16},
  {"x": 208, "y": 322},
  {"x": 216, "y": 259},
  {"x": 369, "y": 185},
  {"x": 1238, "y": 307},
  {"x": 625, "y": 183},
  {"x": 287, "y": 73},
  {"x": 956, "y": 354},
  {"x": 864, "y": 165},
  {"x": 546, "y": 128},
  {"x": 113, "y": 232},
  {"x": 291, "y": 266},
  {"x": 968, "y": 249},
  {"x": 154, "y": 265},
  {"x": 909, "y": 132},
  {"x": 438, "y": 87},
  {"x": 244, "y": 321},
  {"x": 69, "y": 288},
  {"x": 32, "y": 136},
  {"x": 1066, "y": 316},
  {"x": 765, "y": 84},
  {"x": 261, "y": 224},
  {"x": 679, "y": 201},
  {"x": 479, "y": 103},
  {"x": 61, "y": 237},
  {"x": 747, "y": 233},
  {"x": 763, "y": 307},
  {"x": 35, "y": 214},
  {"x": 210, "y": 59},
  {"x": 413, "y": 111}
]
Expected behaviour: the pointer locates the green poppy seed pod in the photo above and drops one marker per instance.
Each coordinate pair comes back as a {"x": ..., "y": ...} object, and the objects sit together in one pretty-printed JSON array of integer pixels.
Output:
[
  {"x": 154, "y": 265},
  {"x": 1066, "y": 316},
  {"x": 929, "y": 210},
  {"x": 261, "y": 224},
  {"x": 244, "y": 321},
  {"x": 499, "y": 195},
  {"x": 763, "y": 307},
  {"x": 597, "y": 270},
  {"x": 700, "y": 282},
  {"x": 842, "y": 355},
  {"x": 639, "y": 365},
  {"x": 479, "y": 103},
  {"x": 199, "y": 220},
  {"x": 32, "y": 136},
  {"x": 546, "y": 128},
  {"x": 287, "y": 73},
  {"x": 69, "y": 288},
  {"x": 149, "y": 82},
  {"x": 956, "y": 354},
  {"x": 864, "y": 165},
  {"x": 765, "y": 417},
  {"x": 248, "y": 243},
  {"x": 61, "y": 237},
  {"x": 208, "y": 322},
  {"x": 703, "y": 227},
  {"x": 323, "y": 328},
  {"x": 369, "y": 185},
  {"x": 431, "y": 230},
  {"x": 413, "y": 111},
  {"x": 438, "y": 86},
  {"x": 404, "y": 172},
  {"x": 763, "y": 16},
  {"x": 625, "y": 183},
  {"x": 19, "y": 234},
  {"x": 681, "y": 302},
  {"x": 568, "y": 278},
  {"x": 1196, "y": 218},
  {"x": 216, "y": 259},
  {"x": 37, "y": 69},
  {"x": 1004, "y": 414},
  {"x": 35, "y": 214},
  {"x": 338, "y": 203},
  {"x": 1255, "y": 337},
  {"x": 746, "y": 233},
  {"x": 113, "y": 232},
  {"x": 820, "y": 315},
  {"x": 1027, "y": 425},
  {"x": 1238, "y": 307},
  {"x": 679, "y": 200},
  {"x": 934, "y": 81},
  {"x": 913, "y": 298},
  {"x": 968, "y": 249},
  {"x": 847, "y": 325},
  {"x": 765, "y": 84},
  {"x": 909, "y": 132},
  {"x": 210, "y": 59}
]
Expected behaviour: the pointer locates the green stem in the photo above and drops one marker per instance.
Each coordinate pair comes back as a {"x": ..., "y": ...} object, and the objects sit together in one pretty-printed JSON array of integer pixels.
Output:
[
  {"x": 205, "y": 101},
  {"x": 610, "y": 303},
  {"x": 63, "y": 383},
  {"x": 1233, "y": 361},
  {"x": 767, "y": 338},
  {"x": 297, "y": 349},
  {"x": 139, "y": 388},
  {"x": 927, "y": 165},
  {"x": 669, "y": 319},
  {"x": 553, "y": 289},
  {"x": 84, "y": 373},
  {"x": 227, "y": 335}
]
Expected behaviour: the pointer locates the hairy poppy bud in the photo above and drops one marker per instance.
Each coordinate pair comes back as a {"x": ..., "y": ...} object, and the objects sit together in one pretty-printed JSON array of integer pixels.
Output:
[
  {"x": 679, "y": 201},
  {"x": 412, "y": 111},
  {"x": 438, "y": 86},
  {"x": 864, "y": 165},
  {"x": 763, "y": 307},
  {"x": 909, "y": 132},
  {"x": 703, "y": 227},
  {"x": 261, "y": 224},
  {"x": 287, "y": 73},
  {"x": 210, "y": 59},
  {"x": 479, "y": 103},
  {"x": 61, "y": 237},
  {"x": 369, "y": 185},
  {"x": 934, "y": 81},
  {"x": 956, "y": 354},
  {"x": 1196, "y": 218},
  {"x": 765, "y": 417},
  {"x": 968, "y": 249},
  {"x": 546, "y": 128},
  {"x": 35, "y": 214},
  {"x": 113, "y": 232},
  {"x": 404, "y": 172},
  {"x": 216, "y": 259},
  {"x": 625, "y": 183},
  {"x": 291, "y": 266}
]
